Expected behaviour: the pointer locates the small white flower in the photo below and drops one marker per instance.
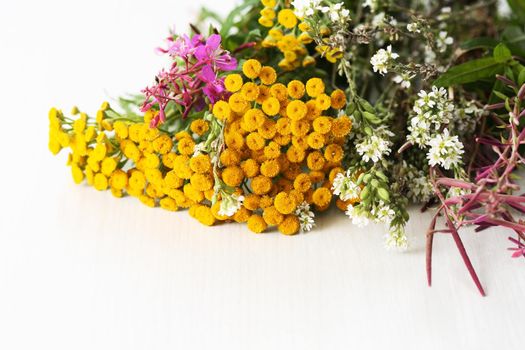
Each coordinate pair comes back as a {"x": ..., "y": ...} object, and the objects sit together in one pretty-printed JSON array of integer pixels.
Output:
[
  {"x": 230, "y": 203},
  {"x": 396, "y": 238},
  {"x": 445, "y": 150},
  {"x": 432, "y": 110},
  {"x": 382, "y": 60},
  {"x": 358, "y": 219},
  {"x": 443, "y": 40},
  {"x": 413, "y": 28},
  {"x": 344, "y": 187},
  {"x": 403, "y": 80},
  {"x": 430, "y": 55},
  {"x": 419, "y": 186},
  {"x": 383, "y": 213},
  {"x": 305, "y": 8},
  {"x": 336, "y": 12},
  {"x": 306, "y": 217},
  {"x": 378, "y": 20},
  {"x": 373, "y": 148}
]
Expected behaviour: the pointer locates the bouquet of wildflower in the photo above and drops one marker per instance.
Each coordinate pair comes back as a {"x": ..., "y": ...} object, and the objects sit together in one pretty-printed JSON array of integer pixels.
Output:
[{"x": 286, "y": 107}]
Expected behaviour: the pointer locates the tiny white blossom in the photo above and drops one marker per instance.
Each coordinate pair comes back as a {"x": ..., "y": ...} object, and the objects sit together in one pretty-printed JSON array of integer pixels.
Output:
[
  {"x": 383, "y": 213},
  {"x": 432, "y": 109},
  {"x": 358, "y": 219},
  {"x": 382, "y": 59},
  {"x": 403, "y": 80},
  {"x": 443, "y": 40},
  {"x": 373, "y": 148},
  {"x": 445, "y": 150},
  {"x": 419, "y": 186},
  {"x": 305, "y": 216},
  {"x": 344, "y": 187},
  {"x": 305, "y": 8},
  {"x": 430, "y": 55},
  {"x": 230, "y": 203},
  {"x": 378, "y": 20},
  {"x": 396, "y": 238},
  {"x": 336, "y": 12},
  {"x": 413, "y": 28},
  {"x": 445, "y": 13}
]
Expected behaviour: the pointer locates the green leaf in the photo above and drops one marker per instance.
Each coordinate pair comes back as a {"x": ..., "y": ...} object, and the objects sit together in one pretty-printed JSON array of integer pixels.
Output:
[
  {"x": 479, "y": 43},
  {"x": 500, "y": 95},
  {"x": 514, "y": 37},
  {"x": 521, "y": 77},
  {"x": 469, "y": 72},
  {"x": 502, "y": 53},
  {"x": 383, "y": 194},
  {"x": 518, "y": 8}
]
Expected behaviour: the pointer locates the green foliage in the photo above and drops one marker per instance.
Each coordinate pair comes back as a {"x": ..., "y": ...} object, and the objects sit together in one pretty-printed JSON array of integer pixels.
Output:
[{"x": 478, "y": 69}]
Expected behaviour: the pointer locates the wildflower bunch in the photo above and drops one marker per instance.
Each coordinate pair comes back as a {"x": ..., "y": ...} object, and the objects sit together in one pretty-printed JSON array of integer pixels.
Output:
[
  {"x": 193, "y": 80},
  {"x": 289, "y": 106}
]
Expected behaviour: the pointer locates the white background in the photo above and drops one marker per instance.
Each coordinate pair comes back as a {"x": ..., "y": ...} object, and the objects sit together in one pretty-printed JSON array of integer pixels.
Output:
[{"x": 80, "y": 269}]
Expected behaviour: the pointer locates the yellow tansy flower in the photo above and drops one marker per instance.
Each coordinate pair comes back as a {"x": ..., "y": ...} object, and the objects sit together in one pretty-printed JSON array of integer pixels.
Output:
[
  {"x": 290, "y": 225},
  {"x": 272, "y": 216},
  {"x": 267, "y": 75},
  {"x": 296, "y": 110},
  {"x": 295, "y": 89},
  {"x": 261, "y": 184},
  {"x": 314, "y": 87},
  {"x": 221, "y": 110},
  {"x": 251, "y": 68},
  {"x": 250, "y": 91},
  {"x": 257, "y": 224},
  {"x": 271, "y": 106},
  {"x": 287, "y": 18},
  {"x": 232, "y": 176},
  {"x": 338, "y": 99},
  {"x": 233, "y": 82}
]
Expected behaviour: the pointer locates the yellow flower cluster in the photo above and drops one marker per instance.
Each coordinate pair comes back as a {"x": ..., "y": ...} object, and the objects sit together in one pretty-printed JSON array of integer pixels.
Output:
[
  {"x": 277, "y": 148},
  {"x": 282, "y": 35},
  {"x": 282, "y": 147},
  {"x": 129, "y": 157}
]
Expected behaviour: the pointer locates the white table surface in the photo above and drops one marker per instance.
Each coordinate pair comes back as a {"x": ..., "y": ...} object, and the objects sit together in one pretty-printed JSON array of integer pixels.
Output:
[{"x": 80, "y": 269}]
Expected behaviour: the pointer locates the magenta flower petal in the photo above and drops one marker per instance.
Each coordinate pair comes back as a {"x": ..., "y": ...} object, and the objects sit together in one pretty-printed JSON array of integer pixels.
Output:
[{"x": 213, "y": 42}]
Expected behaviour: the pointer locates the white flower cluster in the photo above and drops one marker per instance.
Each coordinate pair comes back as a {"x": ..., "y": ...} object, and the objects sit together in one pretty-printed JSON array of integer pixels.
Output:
[
  {"x": 344, "y": 187},
  {"x": 358, "y": 217},
  {"x": 376, "y": 146},
  {"x": 230, "y": 203},
  {"x": 382, "y": 213},
  {"x": 431, "y": 111},
  {"x": 466, "y": 118},
  {"x": 396, "y": 238},
  {"x": 418, "y": 184},
  {"x": 382, "y": 60},
  {"x": 307, "y": 8},
  {"x": 445, "y": 150},
  {"x": 306, "y": 217}
]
